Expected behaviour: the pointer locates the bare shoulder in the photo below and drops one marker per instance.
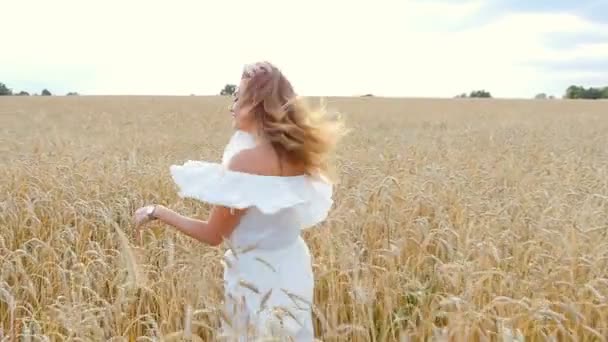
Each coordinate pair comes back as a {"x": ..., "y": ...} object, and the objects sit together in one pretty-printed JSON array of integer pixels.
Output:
[{"x": 258, "y": 160}]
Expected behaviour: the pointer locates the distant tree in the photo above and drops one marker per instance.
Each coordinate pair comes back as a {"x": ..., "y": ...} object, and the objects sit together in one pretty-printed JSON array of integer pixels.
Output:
[
  {"x": 593, "y": 93},
  {"x": 23, "y": 93},
  {"x": 72, "y": 94},
  {"x": 541, "y": 96},
  {"x": 461, "y": 96},
  {"x": 574, "y": 92},
  {"x": 229, "y": 89},
  {"x": 4, "y": 90},
  {"x": 45, "y": 92},
  {"x": 605, "y": 93},
  {"x": 480, "y": 94}
]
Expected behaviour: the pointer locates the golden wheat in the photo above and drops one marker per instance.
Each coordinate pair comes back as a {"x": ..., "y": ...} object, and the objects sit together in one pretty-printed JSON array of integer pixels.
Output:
[{"x": 454, "y": 220}]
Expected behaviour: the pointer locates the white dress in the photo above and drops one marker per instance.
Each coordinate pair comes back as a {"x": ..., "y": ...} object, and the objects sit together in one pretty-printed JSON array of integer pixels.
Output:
[{"x": 268, "y": 276}]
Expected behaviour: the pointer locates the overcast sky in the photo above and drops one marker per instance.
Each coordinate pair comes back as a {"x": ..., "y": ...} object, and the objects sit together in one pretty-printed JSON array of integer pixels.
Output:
[{"x": 430, "y": 48}]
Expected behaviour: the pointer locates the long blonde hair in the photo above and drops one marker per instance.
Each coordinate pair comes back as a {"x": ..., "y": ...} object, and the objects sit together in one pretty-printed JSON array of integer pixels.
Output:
[{"x": 298, "y": 133}]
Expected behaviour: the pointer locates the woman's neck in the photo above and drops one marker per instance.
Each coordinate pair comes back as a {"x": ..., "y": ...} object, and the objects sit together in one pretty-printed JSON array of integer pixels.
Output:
[{"x": 255, "y": 134}]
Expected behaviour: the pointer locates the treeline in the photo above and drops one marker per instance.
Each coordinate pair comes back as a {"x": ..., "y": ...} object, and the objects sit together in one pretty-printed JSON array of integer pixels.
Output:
[
  {"x": 6, "y": 91},
  {"x": 578, "y": 92},
  {"x": 572, "y": 92}
]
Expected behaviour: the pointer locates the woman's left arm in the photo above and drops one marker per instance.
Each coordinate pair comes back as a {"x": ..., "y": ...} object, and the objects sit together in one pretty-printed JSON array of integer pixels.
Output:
[{"x": 222, "y": 221}]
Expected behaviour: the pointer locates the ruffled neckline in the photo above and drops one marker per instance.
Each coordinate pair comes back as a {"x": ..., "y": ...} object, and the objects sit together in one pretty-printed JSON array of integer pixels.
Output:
[{"x": 214, "y": 183}]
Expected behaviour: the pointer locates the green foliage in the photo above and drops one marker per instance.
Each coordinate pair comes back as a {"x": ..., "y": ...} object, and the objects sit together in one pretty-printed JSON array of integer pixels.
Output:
[
  {"x": 229, "y": 89},
  {"x": 72, "y": 94},
  {"x": 578, "y": 92},
  {"x": 45, "y": 92},
  {"x": 23, "y": 93},
  {"x": 480, "y": 94},
  {"x": 4, "y": 90},
  {"x": 475, "y": 94}
]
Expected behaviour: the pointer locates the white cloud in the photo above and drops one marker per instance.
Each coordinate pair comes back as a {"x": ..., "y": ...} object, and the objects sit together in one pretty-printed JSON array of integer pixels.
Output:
[{"x": 326, "y": 47}]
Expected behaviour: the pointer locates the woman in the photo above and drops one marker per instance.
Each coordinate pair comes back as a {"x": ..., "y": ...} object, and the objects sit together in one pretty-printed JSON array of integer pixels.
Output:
[{"x": 271, "y": 184}]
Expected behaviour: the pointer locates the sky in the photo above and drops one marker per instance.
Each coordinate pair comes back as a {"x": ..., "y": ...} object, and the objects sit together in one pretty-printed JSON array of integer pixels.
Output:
[{"x": 409, "y": 48}]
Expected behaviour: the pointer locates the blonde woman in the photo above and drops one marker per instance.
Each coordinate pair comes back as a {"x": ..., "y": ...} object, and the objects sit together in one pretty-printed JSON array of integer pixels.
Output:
[{"x": 271, "y": 184}]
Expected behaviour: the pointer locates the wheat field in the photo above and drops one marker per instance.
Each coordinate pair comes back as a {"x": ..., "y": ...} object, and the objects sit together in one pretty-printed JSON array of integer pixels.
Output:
[{"x": 455, "y": 219}]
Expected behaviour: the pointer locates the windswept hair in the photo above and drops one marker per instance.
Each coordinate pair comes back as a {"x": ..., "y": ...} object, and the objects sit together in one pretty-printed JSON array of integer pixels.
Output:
[{"x": 298, "y": 133}]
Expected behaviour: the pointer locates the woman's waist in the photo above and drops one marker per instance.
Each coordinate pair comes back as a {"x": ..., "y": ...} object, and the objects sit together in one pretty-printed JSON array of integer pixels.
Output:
[
  {"x": 258, "y": 253},
  {"x": 266, "y": 264},
  {"x": 248, "y": 238},
  {"x": 245, "y": 247}
]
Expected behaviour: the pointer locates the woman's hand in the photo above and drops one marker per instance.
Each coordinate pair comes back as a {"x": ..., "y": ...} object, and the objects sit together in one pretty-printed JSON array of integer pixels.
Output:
[{"x": 144, "y": 215}]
